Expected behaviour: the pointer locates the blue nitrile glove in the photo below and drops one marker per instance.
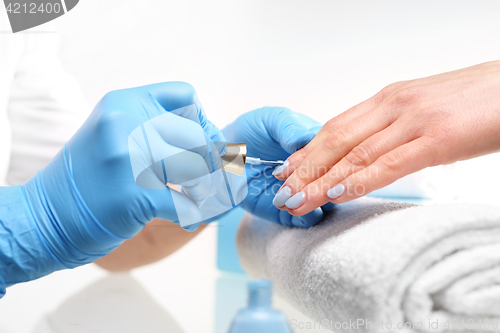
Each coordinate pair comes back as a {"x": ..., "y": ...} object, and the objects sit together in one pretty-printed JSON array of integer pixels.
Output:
[
  {"x": 87, "y": 200},
  {"x": 272, "y": 133}
]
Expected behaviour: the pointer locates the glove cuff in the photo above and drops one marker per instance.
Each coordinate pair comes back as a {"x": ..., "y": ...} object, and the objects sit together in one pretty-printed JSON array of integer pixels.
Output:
[
  {"x": 24, "y": 254},
  {"x": 69, "y": 229}
]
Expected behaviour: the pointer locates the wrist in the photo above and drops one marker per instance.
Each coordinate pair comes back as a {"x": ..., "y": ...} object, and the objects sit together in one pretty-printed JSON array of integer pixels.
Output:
[{"x": 24, "y": 253}]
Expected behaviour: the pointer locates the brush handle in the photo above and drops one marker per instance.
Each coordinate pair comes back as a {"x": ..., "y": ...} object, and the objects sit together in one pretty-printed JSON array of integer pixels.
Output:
[{"x": 258, "y": 161}]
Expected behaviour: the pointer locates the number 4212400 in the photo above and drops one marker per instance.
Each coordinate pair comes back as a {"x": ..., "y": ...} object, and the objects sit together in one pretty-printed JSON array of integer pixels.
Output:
[{"x": 33, "y": 8}]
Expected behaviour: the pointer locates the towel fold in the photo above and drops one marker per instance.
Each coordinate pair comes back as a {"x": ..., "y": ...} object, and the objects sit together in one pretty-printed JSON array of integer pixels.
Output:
[{"x": 385, "y": 266}]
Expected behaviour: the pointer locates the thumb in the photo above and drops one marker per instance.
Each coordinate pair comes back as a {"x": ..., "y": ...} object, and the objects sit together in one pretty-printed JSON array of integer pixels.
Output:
[
  {"x": 292, "y": 130},
  {"x": 295, "y": 137},
  {"x": 175, "y": 206}
]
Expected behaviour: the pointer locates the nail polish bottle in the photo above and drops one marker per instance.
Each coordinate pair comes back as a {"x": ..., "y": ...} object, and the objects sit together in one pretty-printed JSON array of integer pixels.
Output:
[{"x": 259, "y": 316}]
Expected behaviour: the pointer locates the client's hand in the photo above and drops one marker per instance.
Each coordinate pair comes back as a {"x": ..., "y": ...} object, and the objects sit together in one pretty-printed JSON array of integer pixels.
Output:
[
  {"x": 404, "y": 128},
  {"x": 272, "y": 133}
]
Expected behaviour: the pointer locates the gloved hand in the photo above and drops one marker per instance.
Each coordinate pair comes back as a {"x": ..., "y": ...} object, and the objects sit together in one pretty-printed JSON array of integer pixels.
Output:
[
  {"x": 87, "y": 201},
  {"x": 272, "y": 133}
]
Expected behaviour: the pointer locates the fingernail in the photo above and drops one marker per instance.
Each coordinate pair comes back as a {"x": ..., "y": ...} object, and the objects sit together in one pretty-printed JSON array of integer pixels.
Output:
[
  {"x": 336, "y": 191},
  {"x": 280, "y": 169},
  {"x": 282, "y": 196},
  {"x": 296, "y": 201}
]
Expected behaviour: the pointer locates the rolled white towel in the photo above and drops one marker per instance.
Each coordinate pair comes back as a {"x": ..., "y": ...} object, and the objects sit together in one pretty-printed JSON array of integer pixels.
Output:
[{"x": 385, "y": 265}]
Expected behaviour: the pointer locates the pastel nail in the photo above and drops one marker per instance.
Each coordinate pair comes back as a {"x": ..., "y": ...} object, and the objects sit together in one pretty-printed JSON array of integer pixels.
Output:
[
  {"x": 280, "y": 169},
  {"x": 336, "y": 191},
  {"x": 282, "y": 196},
  {"x": 296, "y": 201}
]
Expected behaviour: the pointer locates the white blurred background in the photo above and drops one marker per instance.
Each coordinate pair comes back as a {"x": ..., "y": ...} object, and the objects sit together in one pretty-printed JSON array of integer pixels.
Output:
[{"x": 315, "y": 57}]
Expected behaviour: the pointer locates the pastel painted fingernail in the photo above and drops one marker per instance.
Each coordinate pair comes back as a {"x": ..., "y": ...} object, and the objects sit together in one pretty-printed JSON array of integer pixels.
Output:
[
  {"x": 296, "y": 201},
  {"x": 282, "y": 196},
  {"x": 336, "y": 191},
  {"x": 280, "y": 169}
]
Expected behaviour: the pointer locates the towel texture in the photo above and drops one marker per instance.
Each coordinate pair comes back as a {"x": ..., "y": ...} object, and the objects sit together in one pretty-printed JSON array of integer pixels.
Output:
[{"x": 387, "y": 266}]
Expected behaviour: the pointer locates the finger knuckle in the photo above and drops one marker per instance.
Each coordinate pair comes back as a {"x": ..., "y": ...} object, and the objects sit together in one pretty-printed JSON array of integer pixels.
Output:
[
  {"x": 335, "y": 140},
  {"x": 187, "y": 88},
  {"x": 360, "y": 156},
  {"x": 110, "y": 119},
  {"x": 302, "y": 153},
  {"x": 184, "y": 93},
  {"x": 333, "y": 124},
  {"x": 435, "y": 151},
  {"x": 284, "y": 113},
  {"x": 390, "y": 162},
  {"x": 406, "y": 95},
  {"x": 111, "y": 96},
  {"x": 390, "y": 89}
]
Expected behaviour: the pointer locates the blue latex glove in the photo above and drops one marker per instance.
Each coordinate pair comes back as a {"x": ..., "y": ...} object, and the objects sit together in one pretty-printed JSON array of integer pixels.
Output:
[
  {"x": 272, "y": 133},
  {"x": 86, "y": 202}
]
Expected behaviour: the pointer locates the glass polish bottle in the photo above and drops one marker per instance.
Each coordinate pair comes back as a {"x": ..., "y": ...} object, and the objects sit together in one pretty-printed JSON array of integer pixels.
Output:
[{"x": 259, "y": 316}]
